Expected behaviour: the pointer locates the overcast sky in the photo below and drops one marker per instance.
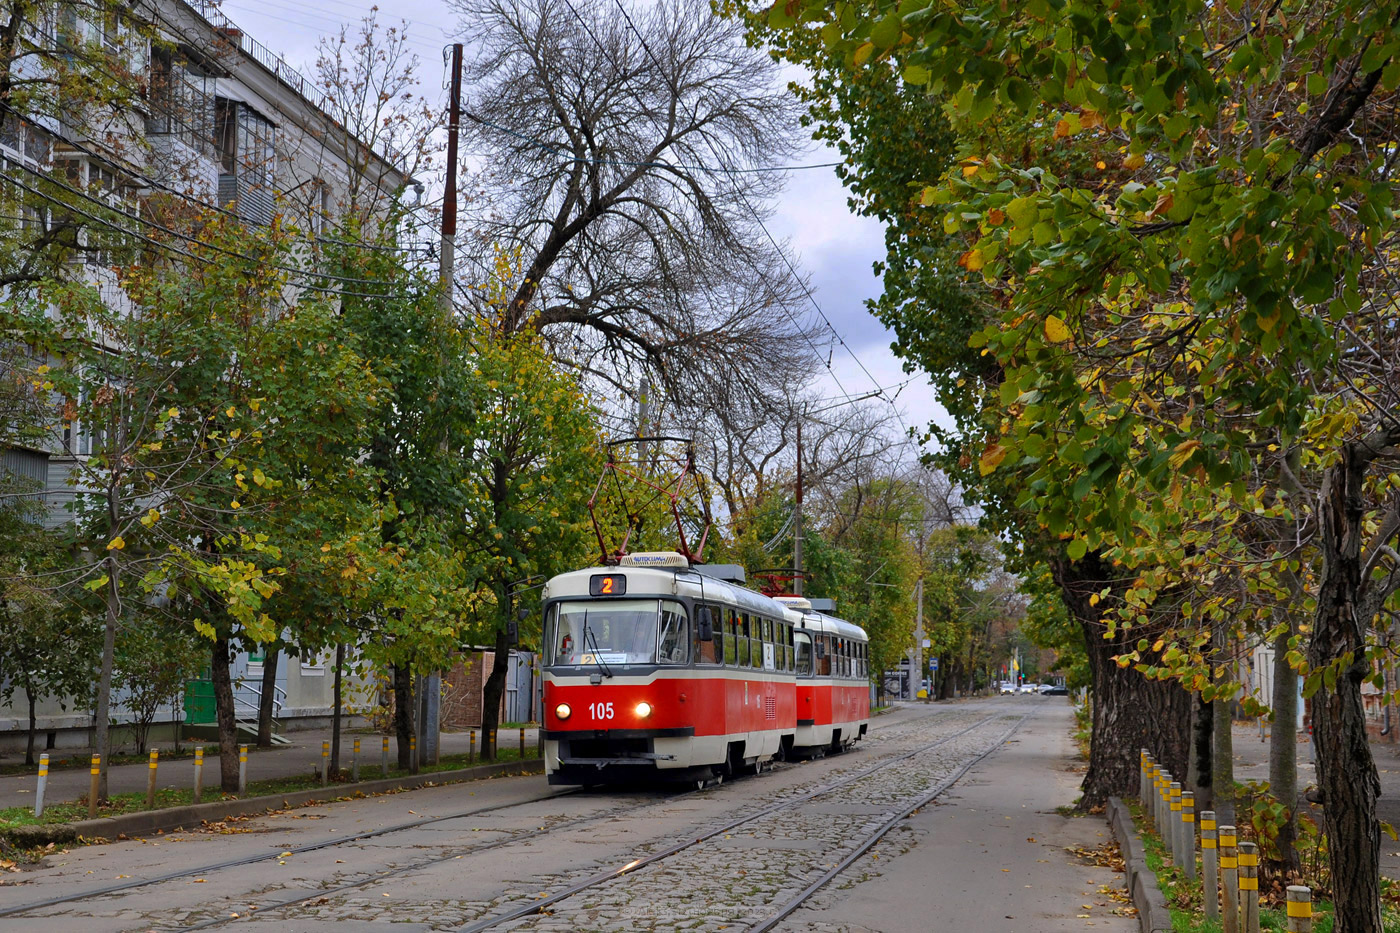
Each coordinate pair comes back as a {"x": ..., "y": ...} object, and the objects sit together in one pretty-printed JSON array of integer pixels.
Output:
[{"x": 834, "y": 247}]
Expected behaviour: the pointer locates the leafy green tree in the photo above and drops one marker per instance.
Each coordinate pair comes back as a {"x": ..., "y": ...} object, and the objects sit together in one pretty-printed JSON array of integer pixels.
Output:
[
  {"x": 1188, "y": 263},
  {"x": 535, "y": 458},
  {"x": 155, "y": 658}
]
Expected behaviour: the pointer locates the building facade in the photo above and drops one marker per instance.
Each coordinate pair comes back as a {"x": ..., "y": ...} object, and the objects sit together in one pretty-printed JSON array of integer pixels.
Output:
[{"x": 216, "y": 122}]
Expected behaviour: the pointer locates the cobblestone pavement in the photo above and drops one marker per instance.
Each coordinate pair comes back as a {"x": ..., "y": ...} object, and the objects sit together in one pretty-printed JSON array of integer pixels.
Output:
[{"x": 542, "y": 847}]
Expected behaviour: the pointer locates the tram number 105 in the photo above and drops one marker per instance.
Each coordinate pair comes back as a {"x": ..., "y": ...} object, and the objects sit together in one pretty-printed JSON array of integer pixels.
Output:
[{"x": 600, "y": 710}]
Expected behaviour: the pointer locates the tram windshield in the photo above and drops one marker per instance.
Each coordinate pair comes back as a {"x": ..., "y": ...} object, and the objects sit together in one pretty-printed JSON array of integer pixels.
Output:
[{"x": 619, "y": 631}]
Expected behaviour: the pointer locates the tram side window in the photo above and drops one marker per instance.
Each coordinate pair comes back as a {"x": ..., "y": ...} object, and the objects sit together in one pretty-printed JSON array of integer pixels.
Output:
[
  {"x": 731, "y": 641},
  {"x": 707, "y": 652},
  {"x": 675, "y": 635},
  {"x": 746, "y": 628},
  {"x": 824, "y": 661},
  {"x": 804, "y": 654},
  {"x": 768, "y": 645}
]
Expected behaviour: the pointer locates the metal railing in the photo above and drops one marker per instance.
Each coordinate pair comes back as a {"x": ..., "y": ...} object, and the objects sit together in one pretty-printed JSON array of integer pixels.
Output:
[{"x": 234, "y": 34}]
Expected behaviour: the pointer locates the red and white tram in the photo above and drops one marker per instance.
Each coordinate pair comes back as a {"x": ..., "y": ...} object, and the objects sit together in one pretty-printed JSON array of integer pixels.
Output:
[
  {"x": 656, "y": 671},
  {"x": 833, "y": 679}
]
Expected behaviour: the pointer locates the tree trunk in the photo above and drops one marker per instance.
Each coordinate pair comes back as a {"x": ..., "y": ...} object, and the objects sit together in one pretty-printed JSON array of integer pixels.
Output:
[
  {"x": 403, "y": 713},
  {"x": 335, "y": 716},
  {"x": 102, "y": 714},
  {"x": 1198, "y": 770},
  {"x": 223, "y": 714},
  {"x": 1283, "y": 757},
  {"x": 268, "y": 698},
  {"x": 33, "y": 728},
  {"x": 1345, "y": 769},
  {"x": 1222, "y": 770},
  {"x": 491, "y": 693},
  {"x": 1130, "y": 712}
]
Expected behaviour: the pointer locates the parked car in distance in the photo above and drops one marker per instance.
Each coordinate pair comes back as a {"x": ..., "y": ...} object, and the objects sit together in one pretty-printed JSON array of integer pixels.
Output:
[
  {"x": 1008, "y": 687},
  {"x": 1056, "y": 690},
  {"x": 1028, "y": 688}
]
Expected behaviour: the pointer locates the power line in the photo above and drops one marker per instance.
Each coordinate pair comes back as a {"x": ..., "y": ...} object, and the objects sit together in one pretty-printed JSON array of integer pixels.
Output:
[
  {"x": 569, "y": 156},
  {"x": 169, "y": 248}
]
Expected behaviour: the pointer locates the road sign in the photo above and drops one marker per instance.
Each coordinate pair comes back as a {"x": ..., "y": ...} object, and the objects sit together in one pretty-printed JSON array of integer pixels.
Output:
[
  {"x": 933, "y": 664},
  {"x": 927, "y": 643}
]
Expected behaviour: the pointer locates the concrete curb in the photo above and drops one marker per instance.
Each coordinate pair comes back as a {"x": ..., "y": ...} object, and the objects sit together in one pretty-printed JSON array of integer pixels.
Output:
[
  {"x": 149, "y": 821},
  {"x": 1153, "y": 913}
]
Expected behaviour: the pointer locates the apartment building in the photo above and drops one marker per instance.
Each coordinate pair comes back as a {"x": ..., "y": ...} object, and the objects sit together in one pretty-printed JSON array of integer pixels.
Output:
[{"x": 220, "y": 122}]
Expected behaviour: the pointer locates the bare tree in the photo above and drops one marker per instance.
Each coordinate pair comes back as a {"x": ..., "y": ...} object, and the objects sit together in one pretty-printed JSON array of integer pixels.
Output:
[{"x": 624, "y": 174}]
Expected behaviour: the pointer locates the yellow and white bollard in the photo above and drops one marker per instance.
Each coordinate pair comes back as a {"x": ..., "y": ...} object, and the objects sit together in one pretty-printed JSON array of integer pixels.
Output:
[
  {"x": 1210, "y": 866},
  {"x": 151, "y": 762},
  {"x": 413, "y": 753},
  {"x": 1188, "y": 832},
  {"x": 1229, "y": 881},
  {"x": 522, "y": 743},
  {"x": 1249, "y": 887},
  {"x": 198, "y": 773},
  {"x": 325, "y": 763},
  {"x": 471, "y": 746},
  {"x": 384, "y": 757},
  {"x": 1299, "y": 909},
  {"x": 43, "y": 782},
  {"x": 1173, "y": 827},
  {"x": 355, "y": 763},
  {"x": 1143, "y": 764},
  {"x": 242, "y": 770},
  {"x": 94, "y": 781}
]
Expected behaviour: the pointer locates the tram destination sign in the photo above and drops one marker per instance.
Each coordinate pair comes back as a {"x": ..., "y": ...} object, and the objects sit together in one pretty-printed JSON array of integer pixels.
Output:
[{"x": 607, "y": 584}]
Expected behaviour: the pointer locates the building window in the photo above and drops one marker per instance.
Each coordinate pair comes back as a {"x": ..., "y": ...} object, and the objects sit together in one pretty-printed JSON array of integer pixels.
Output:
[
  {"x": 181, "y": 102},
  {"x": 244, "y": 141}
]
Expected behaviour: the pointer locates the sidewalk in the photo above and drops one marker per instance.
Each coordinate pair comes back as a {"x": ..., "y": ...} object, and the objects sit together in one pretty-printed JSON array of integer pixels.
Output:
[
  {"x": 991, "y": 854},
  {"x": 301, "y": 757}
]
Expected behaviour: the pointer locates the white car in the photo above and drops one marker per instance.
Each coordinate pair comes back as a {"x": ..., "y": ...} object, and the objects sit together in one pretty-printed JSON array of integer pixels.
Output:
[
  {"x": 1028, "y": 688},
  {"x": 1007, "y": 687}
]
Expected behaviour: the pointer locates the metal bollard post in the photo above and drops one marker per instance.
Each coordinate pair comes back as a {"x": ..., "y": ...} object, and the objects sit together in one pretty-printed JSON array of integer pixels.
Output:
[
  {"x": 242, "y": 770},
  {"x": 1229, "y": 881},
  {"x": 1188, "y": 832},
  {"x": 151, "y": 779},
  {"x": 1299, "y": 909},
  {"x": 1157, "y": 796},
  {"x": 1174, "y": 821},
  {"x": 384, "y": 757},
  {"x": 522, "y": 743},
  {"x": 43, "y": 782},
  {"x": 94, "y": 779},
  {"x": 355, "y": 763},
  {"x": 1145, "y": 780},
  {"x": 413, "y": 752},
  {"x": 1210, "y": 866},
  {"x": 1164, "y": 790},
  {"x": 198, "y": 773},
  {"x": 1249, "y": 887},
  {"x": 1142, "y": 773},
  {"x": 325, "y": 763},
  {"x": 471, "y": 746}
]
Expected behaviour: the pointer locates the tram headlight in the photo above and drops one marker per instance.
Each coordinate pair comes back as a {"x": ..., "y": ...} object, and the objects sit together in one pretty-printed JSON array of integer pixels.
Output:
[
  {"x": 562, "y": 711},
  {"x": 643, "y": 709}
]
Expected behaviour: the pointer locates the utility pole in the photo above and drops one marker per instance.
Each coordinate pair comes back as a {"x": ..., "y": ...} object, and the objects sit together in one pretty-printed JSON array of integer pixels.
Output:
[
  {"x": 643, "y": 420},
  {"x": 449, "y": 197},
  {"x": 429, "y": 714},
  {"x": 919, "y": 635},
  {"x": 797, "y": 516}
]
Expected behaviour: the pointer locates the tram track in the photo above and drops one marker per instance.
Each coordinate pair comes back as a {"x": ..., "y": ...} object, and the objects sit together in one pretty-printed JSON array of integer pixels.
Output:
[
  {"x": 265, "y": 910},
  {"x": 542, "y": 905},
  {"x": 459, "y": 853},
  {"x": 254, "y": 859}
]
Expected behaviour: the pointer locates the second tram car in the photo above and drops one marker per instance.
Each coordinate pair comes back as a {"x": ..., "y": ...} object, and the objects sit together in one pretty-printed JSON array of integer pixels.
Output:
[{"x": 654, "y": 671}]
